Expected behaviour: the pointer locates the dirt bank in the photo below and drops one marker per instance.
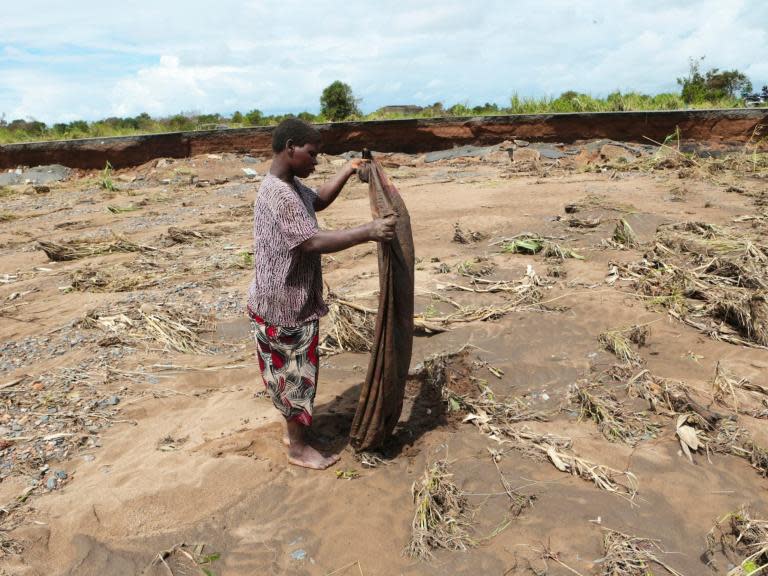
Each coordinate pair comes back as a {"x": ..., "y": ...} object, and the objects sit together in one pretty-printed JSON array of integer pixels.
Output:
[{"x": 709, "y": 128}]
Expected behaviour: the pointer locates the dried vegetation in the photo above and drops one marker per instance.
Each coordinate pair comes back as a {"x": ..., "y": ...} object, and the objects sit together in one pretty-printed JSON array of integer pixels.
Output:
[
  {"x": 708, "y": 277},
  {"x": 88, "y": 247}
]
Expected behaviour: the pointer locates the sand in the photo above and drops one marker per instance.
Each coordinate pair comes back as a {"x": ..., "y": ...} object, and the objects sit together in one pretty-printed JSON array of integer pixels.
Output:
[{"x": 191, "y": 452}]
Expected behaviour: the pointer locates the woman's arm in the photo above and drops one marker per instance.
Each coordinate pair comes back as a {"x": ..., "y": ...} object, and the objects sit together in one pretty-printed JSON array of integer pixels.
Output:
[
  {"x": 326, "y": 241},
  {"x": 328, "y": 192}
]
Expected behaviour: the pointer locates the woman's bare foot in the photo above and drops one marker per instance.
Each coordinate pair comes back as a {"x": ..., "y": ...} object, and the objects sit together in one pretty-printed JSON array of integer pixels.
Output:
[{"x": 306, "y": 456}]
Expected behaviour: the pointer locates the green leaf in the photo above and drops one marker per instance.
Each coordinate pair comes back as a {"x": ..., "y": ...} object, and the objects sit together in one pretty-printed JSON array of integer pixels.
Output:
[{"x": 210, "y": 558}]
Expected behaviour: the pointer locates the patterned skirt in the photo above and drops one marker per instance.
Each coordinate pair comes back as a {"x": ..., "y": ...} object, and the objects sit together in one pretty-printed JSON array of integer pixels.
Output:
[{"x": 289, "y": 366}]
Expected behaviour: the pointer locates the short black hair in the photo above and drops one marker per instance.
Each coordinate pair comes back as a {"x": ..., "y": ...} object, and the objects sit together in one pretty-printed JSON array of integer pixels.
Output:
[{"x": 298, "y": 131}]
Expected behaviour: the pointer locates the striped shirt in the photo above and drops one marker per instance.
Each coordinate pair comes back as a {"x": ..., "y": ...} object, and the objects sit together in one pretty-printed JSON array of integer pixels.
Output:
[{"x": 287, "y": 286}]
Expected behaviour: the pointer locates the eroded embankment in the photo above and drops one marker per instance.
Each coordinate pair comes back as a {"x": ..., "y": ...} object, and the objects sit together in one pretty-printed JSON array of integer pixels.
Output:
[{"x": 714, "y": 128}]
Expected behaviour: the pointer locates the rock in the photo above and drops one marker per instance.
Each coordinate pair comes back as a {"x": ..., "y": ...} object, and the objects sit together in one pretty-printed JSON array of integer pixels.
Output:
[
  {"x": 51, "y": 483},
  {"x": 551, "y": 153},
  {"x": 526, "y": 155},
  {"x": 89, "y": 458},
  {"x": 250, "y": 172},
  {"x": 61, "y": 475},
  {"x": 613, "y": 153},
  {"x": 113, "y": 400},
  {"x": 36, "y": 176},
  {"x": 459, "y": 152},
  {"x": 500, "y": 156},
  {"x": 250, "y": 160},
  {"x": 522, "y": 143},
  {"x": 40, "y": 189}
]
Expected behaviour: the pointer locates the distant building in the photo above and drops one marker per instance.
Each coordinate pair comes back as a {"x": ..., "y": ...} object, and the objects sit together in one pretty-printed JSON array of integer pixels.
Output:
[{"x": 404, "y": 109}]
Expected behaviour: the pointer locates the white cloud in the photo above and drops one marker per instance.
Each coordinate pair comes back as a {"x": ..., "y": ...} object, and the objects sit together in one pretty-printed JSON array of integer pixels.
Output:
[{"x": 76, "y": 60}]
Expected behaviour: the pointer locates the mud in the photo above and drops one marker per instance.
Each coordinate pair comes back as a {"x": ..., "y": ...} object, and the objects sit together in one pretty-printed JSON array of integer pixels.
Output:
[{"x": 192, "y": 451}]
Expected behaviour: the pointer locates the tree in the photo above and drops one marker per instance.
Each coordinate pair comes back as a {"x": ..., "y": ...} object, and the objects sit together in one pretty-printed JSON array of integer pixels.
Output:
[
  {"x": 713, "y": 84},
  {"x": 337, "y": 102},
  {"x": 237, "y": 117},
  {"x": 254, "y": 117}
]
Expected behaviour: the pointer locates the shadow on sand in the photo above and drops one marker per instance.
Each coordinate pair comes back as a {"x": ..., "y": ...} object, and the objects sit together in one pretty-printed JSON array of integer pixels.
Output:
[{"x": 423, "y": 410}]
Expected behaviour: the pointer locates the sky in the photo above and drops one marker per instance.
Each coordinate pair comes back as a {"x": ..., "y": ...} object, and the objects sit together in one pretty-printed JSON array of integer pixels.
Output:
[{"x": 88, "y": 59}]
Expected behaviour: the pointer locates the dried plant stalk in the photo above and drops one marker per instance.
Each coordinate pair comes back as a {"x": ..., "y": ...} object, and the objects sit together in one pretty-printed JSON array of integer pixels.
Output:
[{"x": 84, "y": 248}]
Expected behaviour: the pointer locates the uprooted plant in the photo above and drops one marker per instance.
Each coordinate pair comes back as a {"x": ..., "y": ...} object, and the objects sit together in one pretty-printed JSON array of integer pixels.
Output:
[
  {"x": 620, "y": 341},
  {"x": 743, "y": 540},
  {"x": 442, "y": 518},
  {"x": 626, "y": 555},
  {"x": 351, "y": 327},
  {"x": 616, "y": 421}
]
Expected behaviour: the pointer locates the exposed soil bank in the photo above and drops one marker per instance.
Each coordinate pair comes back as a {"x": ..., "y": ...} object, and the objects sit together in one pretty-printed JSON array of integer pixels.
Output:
[{"x": 713, "y": 128}]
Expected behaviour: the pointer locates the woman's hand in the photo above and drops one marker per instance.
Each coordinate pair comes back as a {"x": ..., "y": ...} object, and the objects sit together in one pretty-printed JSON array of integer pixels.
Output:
[
  {"x": 383, "y": 229},
  {"x": 356, "y": 163}
]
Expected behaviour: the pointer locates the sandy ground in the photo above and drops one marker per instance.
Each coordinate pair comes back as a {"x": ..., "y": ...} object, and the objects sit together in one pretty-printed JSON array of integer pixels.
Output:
[{"x": 162, "y": 448}]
